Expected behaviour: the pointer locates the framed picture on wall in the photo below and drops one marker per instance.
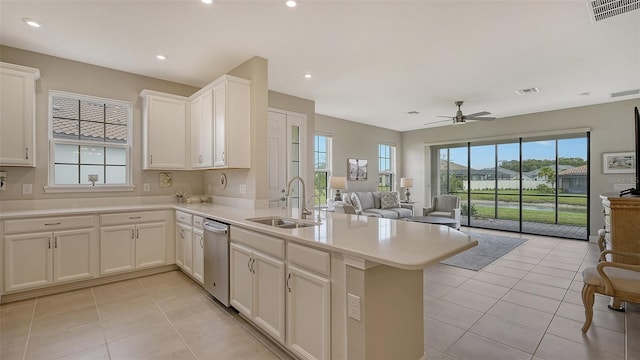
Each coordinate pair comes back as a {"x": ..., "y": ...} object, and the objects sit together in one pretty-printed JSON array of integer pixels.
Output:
[
  {"x": 356, "y": 169},
  {"x": 618, "y": 163}
]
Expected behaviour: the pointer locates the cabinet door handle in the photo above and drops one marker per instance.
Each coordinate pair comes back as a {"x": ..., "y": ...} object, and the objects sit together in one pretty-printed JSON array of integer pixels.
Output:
[
  {"x": 52, "y": 224},
  {"x": 223, "y": 156},
  {"x": 55, "y": 242},
  {"x": 182, "y": 233},
  {"x": 150, "y": 159},
  {"x": 49, "y": 242},
  {"x": 26, "y": 153},
  {"x": 201, "y": 243},
  {"x": 137, "y": 233},
  {"x": 135, "y": 217},
  {"x": 249, "y": 265},
  {"x": 132, "y": 234},
  {"x": 288, "y": 278}
]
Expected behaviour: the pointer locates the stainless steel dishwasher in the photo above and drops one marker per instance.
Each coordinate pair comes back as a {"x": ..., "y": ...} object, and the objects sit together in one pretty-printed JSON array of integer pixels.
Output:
[{"x": 216, "y": 260}]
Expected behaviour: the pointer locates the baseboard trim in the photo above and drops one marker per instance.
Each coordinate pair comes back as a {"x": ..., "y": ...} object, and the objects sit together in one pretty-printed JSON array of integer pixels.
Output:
[{"x": 55, "y": 289}]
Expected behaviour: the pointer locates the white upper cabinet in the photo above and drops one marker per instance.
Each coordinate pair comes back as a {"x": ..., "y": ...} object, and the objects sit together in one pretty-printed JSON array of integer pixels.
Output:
[
  {"x": 202, "y": 129},
  {"x": 232, "y": 122},
  {"x": 164, "y": 131},
  {"x": 17, "y": 115}
]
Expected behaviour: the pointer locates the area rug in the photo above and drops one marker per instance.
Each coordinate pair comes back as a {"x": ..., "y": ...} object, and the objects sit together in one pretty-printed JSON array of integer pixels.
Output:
[{"x": 490, "y": 248}]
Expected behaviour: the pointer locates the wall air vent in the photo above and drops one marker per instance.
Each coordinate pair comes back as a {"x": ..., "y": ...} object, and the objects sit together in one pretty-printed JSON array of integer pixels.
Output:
[
  {"x": 604, "y": 9},
  {"x": 528, "y": 91},
  {"x": 625, "y": 93}
]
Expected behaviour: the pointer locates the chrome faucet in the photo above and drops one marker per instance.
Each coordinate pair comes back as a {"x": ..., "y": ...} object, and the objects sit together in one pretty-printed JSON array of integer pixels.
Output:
[{"x": 305, "y": 211}]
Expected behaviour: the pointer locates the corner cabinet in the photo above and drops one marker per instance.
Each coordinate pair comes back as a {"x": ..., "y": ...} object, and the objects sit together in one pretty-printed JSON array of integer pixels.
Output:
[
  {"x": 232, "y": 122},
  {"x": 17, "y": 115},
  {"x": 164, "y": 131}
]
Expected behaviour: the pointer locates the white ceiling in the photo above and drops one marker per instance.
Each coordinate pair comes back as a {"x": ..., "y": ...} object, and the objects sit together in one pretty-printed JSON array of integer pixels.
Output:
[{"x": 371, "y": 61}]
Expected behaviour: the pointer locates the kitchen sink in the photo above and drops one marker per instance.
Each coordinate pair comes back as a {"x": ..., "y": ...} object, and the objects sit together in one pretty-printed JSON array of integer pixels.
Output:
[{"x": 284, "y": 223}]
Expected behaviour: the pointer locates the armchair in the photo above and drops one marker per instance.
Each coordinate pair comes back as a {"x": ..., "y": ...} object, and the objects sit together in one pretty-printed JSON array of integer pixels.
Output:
[
  {"x": 444, "y": 206},
  {"x": 618, "y": 280}
]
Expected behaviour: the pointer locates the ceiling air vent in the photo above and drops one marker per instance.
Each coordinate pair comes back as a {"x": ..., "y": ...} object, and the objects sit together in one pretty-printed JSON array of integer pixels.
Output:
[
  {"x": 528, "y": 91},
  {"x": 625, "y": 93},
  {"x": 604, "y": 9}
]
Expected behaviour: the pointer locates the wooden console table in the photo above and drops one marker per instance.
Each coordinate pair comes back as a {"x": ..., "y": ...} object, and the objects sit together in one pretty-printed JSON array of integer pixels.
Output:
[{"x": 622, "y": 224}]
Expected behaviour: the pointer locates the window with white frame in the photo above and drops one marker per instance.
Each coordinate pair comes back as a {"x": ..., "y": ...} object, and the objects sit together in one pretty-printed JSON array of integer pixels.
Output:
[
  {"x": 322, "y": 166},
  {"x": 90, "y": 142},
  {"x": 386, "y": 167}
]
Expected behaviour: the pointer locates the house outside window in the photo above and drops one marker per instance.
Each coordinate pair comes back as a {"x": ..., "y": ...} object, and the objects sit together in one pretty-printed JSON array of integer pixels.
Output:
[
  {"x": 386, "y": 167},
  {"x": 322, "y": 166},
  {"x": 89, "y": 143}
]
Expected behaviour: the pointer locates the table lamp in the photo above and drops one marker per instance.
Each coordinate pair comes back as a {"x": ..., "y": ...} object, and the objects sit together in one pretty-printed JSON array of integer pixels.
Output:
[
  {"x": 406, "y": 183},
  {"x": 338, "y": 183}
]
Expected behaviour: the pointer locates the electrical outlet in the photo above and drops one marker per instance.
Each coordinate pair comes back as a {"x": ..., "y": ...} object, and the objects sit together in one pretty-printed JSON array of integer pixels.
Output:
[
  {"x": 243, "y": 188},
  {"x": 27, "y": 189},
  {"x": 147, "y": 187},
  {"x": 353, "y": 306}
]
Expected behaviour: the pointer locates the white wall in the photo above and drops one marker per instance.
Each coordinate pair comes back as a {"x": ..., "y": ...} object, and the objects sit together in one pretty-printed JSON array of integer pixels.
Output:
[
  {"x": 612, "y": 130},
  {"x": 352, "y": 140}
]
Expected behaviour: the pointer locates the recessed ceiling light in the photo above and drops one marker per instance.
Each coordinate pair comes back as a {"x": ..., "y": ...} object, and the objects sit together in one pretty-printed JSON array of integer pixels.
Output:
[
  {"x": 528, "y": 91},
  {"x": 308, "y": 76},
  {"x": 586, "y": 93},
  {"x": 413, "y": 112},
  {"x": 32, "y": 22},
  {"x": 291, "y": 3},
  {"x": 161, "y": 57},
  {"x": 207, "y": 1}
]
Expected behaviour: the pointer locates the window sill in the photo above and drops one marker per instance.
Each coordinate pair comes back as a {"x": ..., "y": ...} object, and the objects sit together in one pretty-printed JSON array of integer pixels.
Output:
[{"x": 87, "y": 188}]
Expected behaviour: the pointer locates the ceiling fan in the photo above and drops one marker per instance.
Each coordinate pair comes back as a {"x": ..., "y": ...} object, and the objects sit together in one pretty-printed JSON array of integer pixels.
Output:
[{"x": 459, "y": 118}]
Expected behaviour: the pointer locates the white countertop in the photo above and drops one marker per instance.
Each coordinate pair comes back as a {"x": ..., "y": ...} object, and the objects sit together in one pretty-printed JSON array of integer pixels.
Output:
[{"x": 397, "y": 243}]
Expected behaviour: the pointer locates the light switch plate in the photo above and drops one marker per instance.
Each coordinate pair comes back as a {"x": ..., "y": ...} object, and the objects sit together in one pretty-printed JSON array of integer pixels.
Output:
[
  {"x": 27, "y": 189},
  {"x": 243, "y": 188},
  {"x": 146, "y": 187}
]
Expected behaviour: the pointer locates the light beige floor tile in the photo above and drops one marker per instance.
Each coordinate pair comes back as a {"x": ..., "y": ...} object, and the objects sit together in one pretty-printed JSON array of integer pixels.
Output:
[
  {"x": 563, "y": 274},
  {"x": 514, "y": 264},
  {"x": 597, "y": 337},
  {"x": 533, "y": 249},
  {"x": 548, "y": 280},
  {"x": 522, "y": 315},
  {"x": 14, "y": 350},
  {"x": 552, "y": 261},
  {"x": 576, "y": 285},
  {"x": 433, "y": 354},
  {"x": 606, "y": 318},
  {"x": 575, "y": 297},
  {"x": 496, "y": 279},
  {"x": 57, "y": 343},
  {"x": 119, "y": 291},
  {"x": 458, "y": 271},
  {"x": 483, "y": 288},
  {"x": 66, "y": 320},
  {"x": 557, "y": 348},
  {"x": 198, "y": 329},
  {"x": 125, "y": 308},
  {"x": 436, "y": 289},
  {"x": 470, "y": 299},
  {"x": 97, "y": 353},
  {"x": 64, "y": 302},
  {"x": 533, "y": 301},
  {"x": 17, "y": 311},
  {"x": 509, "y": 333},
  {"x": 452, "y": 314},
  {"x": 14, "y": 331},
  {"x": 474, "y": 347},
  {"x": 540, "y": 289},
  {"x": 440, "y": 335},
  {"x": 149, "y": 344},
  {"x": 506, "y": 271},
  {"x": 188, "y": 306},
  {"x": 522, "y": 259},
  {"x": 570, "y": 254},
  {"x": 445, "y": 278},
  {"x": 523, "y": 251},
  {"x": 231, "y": 345},
  {"x": 120, "y": 327}
]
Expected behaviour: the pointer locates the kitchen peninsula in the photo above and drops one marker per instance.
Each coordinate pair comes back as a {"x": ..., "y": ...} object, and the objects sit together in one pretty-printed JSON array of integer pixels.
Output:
[{"x": 367, "y": 270}]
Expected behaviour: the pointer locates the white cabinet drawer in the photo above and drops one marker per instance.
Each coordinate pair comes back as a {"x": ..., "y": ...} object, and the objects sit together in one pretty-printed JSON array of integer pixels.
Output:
[
  {"x": 49, "y": 224},
  {"x": 306, "y": 257},
  {"x": 131, "y": 218},
  {"x": 198, "y": 221},
  {"x": 183, "y": 217},
  {"x": 267, "y": 244}
]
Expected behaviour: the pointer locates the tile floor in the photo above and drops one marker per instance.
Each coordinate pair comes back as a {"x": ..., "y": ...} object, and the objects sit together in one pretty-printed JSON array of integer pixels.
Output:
[{"x": 526, "y": 305}]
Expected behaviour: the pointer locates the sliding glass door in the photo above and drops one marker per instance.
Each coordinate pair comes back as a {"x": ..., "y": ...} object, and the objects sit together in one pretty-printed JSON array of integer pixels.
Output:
[{"x": 529, "y": 185}]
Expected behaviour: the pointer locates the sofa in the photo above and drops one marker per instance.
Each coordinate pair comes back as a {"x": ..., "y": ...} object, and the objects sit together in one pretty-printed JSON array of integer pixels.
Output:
[{"x": 385, "y": 204}]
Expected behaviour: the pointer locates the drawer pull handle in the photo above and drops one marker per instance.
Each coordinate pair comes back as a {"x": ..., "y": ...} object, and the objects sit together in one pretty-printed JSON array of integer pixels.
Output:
[
  {"x": 135, "y": 217},
  {"x": 52, "y": 224}
]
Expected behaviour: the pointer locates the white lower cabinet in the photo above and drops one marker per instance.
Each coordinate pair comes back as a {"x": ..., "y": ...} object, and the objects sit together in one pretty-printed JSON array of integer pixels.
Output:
[
  {"x": 198, "y": 255},
  {"x": 257, "y": 289},
  {"x": 130, "y": 241},
  {"x": 38, "y": 259},
  {"x": 184, "y": 247}
]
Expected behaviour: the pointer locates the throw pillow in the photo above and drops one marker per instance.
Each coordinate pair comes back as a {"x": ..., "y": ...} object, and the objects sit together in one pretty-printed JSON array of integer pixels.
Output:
[
  {"x": 355, "y": 202},
  {"x": 389, "y": 200}
]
